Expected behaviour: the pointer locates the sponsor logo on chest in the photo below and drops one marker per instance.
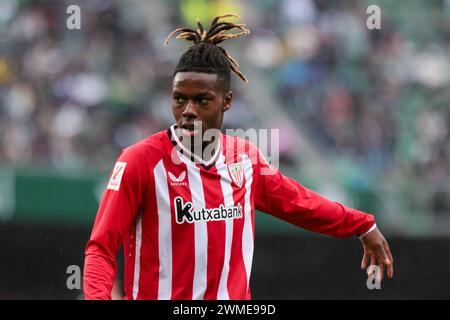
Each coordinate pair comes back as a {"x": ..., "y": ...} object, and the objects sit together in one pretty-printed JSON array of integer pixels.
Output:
[
  {"x": 178, "y": 181},
  {"x": 184, "y": 212}
]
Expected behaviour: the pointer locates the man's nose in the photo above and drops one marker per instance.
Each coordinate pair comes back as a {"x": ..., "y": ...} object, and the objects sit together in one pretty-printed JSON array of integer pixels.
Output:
[{"x": 190, "y": 110}]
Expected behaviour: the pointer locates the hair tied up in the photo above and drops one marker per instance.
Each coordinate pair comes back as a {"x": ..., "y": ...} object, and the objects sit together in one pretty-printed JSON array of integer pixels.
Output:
[{"x": 216, "y": 34}]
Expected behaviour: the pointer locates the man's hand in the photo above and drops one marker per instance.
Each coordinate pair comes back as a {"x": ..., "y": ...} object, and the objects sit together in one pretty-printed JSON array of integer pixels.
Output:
[{"x": 377, "y": 252}]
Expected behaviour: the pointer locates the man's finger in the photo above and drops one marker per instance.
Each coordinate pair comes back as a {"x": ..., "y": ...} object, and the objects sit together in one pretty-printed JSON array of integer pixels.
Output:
[
  {"x": 380, "y": 274},
  {"x": 365, "y": 261},
  {"x": 390, "y": 270},
  {"x": 383, "y": 262},
  {"x": 373, "y": 262}
]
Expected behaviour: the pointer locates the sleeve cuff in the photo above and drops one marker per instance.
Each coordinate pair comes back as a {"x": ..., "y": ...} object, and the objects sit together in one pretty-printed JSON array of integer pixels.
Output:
[{"x": 368, "y": 231}]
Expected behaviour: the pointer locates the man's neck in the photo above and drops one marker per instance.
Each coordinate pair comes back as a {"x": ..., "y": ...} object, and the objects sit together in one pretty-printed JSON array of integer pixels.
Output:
[{"x": 204, "y": 150}]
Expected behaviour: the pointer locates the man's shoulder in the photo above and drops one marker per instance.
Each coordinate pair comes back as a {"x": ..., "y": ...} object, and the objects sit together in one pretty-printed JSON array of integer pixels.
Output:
[
  {"x": 237, "y": 146},
  {"x": 151, "y": 148},
  {"x": 230, "y": 140}
]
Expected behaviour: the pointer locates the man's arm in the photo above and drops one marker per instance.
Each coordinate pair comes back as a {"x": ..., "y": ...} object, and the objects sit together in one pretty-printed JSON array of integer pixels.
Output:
[
  {"x": 117, "y": 211},
  {"x": 288, "y": 200}
]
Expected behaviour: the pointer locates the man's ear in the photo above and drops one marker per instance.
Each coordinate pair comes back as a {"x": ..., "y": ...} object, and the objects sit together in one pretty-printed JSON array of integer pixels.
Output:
[{"x": 227, "y": 101}]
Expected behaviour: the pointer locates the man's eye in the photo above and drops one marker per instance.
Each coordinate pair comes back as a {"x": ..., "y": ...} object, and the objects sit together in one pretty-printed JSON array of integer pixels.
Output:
[
  {"x": 178, "y": 100},
  {"x": 204, "y": 101}
]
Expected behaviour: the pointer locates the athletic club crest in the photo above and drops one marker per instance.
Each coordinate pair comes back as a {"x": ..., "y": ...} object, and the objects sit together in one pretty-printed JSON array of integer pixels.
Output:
[{"x": 236, "y": 171}]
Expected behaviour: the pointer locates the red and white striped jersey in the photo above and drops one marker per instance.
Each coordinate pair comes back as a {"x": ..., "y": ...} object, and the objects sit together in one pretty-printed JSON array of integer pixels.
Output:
[{"x": 188, "y": 228}]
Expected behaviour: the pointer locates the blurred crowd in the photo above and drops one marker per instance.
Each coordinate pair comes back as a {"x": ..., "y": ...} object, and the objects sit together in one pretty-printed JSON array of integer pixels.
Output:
[{"x": 377, "y": 100}]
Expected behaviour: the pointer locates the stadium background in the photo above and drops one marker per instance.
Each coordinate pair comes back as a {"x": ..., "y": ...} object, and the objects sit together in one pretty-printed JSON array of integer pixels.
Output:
[{"x": 364, "y": 118}]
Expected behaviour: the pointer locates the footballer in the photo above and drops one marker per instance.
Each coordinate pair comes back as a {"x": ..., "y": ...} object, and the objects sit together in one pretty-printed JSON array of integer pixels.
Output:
[{"x": 186, "y": 217}]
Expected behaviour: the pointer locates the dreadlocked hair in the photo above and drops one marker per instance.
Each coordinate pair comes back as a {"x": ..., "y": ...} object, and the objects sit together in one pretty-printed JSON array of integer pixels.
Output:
[{"x": 205, "y": 56}]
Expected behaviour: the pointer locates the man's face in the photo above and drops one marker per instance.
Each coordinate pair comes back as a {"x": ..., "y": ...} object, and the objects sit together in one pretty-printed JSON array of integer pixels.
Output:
[{"x": 197, "y": 97}]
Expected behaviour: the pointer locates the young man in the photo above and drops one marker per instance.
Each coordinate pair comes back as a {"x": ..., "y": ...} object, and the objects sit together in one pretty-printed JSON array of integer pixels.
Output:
[{"x": 185, "y": 215}]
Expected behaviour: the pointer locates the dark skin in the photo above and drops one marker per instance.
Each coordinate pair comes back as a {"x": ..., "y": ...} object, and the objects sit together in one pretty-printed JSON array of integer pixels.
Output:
[
  {"x": 200, "y": 97},
  {"x": 377, "y": 252}
]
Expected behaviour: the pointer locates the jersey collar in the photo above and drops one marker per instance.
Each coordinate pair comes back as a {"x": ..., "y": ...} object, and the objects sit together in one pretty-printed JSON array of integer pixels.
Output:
[{"x": 186, "y": 154}]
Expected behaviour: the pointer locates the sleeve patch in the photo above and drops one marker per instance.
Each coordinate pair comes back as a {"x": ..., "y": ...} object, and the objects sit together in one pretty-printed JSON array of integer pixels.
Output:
[{"x": 116, "y": 176}]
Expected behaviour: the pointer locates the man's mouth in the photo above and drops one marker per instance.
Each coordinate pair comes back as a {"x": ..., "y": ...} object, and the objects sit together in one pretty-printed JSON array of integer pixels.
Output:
[
  {"x": 190, "y": 129},
  {"x": 187, "y": 126}
]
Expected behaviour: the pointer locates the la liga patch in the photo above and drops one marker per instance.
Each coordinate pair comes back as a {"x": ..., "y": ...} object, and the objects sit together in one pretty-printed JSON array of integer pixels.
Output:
[{"x": 116, "y": 176}]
